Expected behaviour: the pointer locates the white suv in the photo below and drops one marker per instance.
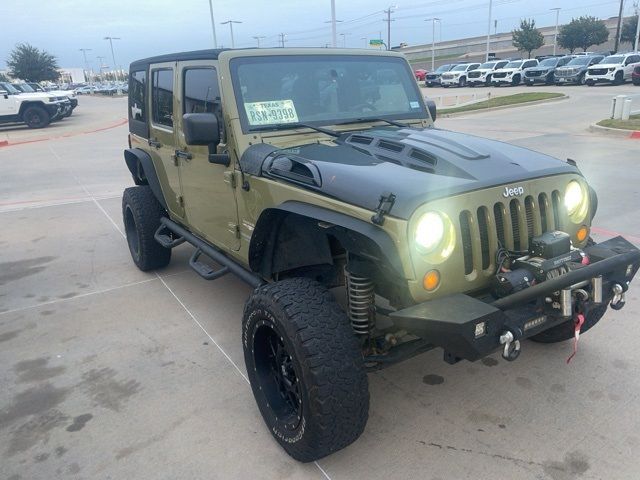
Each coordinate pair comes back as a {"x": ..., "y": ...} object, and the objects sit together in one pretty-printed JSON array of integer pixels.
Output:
[
  {"x": 512, "y": 72},
  {"x": 37, "y": 110},
  {"x": 457, "y": 75},
  {"x": 482, "y": 74},
  {"x": 615, "y": 69}
]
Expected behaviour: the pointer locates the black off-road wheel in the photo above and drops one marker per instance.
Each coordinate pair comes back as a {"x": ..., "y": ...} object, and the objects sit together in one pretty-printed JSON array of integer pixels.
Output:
[
  {"x": 565, "y": 331},
  {"x": 305, "y": 368},
  {"x": 141, "y": 213},
  {"x": 36, "y": 117}
]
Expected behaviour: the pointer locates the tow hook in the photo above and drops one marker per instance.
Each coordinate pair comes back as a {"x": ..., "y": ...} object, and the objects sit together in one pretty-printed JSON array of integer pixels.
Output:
[
  {"x": 618, "y": 300},
  {"x": 511, "y": 346}
]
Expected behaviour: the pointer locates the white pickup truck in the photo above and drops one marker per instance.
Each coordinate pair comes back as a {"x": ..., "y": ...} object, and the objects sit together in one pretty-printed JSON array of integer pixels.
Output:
[
  {"x": 616, "y": 69},
  {"x": 36, "y": 110}
]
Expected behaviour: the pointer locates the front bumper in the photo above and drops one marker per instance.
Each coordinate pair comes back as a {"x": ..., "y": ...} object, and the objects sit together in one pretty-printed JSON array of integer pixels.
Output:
[
  {"x": 534, "y": 80},
  {"x": 471, "y": 328},
  {"x": 449, "y": 81},
  {"x": 507, "y": 79},
  {"x": 608, "y": 77},
  {"x": 432, "y": 81}
]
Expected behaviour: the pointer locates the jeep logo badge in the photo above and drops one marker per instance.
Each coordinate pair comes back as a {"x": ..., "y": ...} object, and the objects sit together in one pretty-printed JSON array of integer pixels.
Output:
[{"x": 512, "y": 192}]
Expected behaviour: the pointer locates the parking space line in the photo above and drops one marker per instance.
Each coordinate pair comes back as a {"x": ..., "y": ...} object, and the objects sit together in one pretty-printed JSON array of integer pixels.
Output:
[
  {"x": 193, "y": 317},
  {"x": 23, "y": 205}
]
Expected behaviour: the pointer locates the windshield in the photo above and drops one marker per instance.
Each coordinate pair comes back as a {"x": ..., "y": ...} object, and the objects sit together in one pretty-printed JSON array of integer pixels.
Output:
[
  {"x": 36, "y": 87},
  {"x": 8, "y": 87},
  {"x": 443, "y": 68},
  {"x": 613, "y": 59},
  {"x": 460, "y": 68},
  {"x": 580, "y": 61},
  {"x": 323, "y": 89},
  {"x": 549, "y": 62},
  {"x": 488, "y": 65},
  {"x": 513, "y": 64},
  {"x": 25, "y": 88}
]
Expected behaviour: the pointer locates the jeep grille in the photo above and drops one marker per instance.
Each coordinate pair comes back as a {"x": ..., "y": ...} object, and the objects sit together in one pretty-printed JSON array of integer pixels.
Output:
[{"x": 509, "y": 223}]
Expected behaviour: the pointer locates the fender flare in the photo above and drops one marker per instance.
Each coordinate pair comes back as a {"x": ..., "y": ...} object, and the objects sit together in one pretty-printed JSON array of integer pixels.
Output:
[
  {"x": 141, "y": 167},
  {"x": 346, "y": 228}
]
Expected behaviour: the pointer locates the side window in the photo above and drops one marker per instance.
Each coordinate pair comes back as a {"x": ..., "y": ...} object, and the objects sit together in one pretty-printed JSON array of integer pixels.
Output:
[
  {"x": 201, "y": 91},
  {"x": 137, "y": 89},
  {"x": 635, "y": 58},
  {"x": 162, "y": 97},
  {"x": 529, "y": 64}
]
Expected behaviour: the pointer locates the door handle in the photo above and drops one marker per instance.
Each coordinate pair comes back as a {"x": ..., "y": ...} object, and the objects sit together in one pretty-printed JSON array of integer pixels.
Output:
[
  {"x": 184, "y": 155},
  {"x": 154, "y": 143}
]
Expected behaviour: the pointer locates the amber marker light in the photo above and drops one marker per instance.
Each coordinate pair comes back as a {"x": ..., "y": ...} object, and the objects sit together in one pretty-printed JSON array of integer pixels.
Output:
[
  {"x": 431, "y": 280},
  {"x": 582, "y": 234}
]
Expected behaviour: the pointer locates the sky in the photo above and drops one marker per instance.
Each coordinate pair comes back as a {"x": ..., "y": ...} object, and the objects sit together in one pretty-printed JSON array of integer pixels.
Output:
[{"x": 150, "y": 27}]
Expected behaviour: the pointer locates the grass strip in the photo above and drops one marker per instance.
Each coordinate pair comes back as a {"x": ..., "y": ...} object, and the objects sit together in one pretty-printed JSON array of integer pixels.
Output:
[
  {"x": 632, "y": 124},
  {"x": 504, "y": 100}
]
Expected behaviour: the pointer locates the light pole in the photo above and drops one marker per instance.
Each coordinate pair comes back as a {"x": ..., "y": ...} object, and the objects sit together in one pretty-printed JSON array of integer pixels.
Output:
[
  {"x": 86, "y": 63},
  {"x": 433, "y": 41},
  {"x": 489, "y": 30},
  {"x": 213, "y": 25},
  {"x": 635, "y": 48},
  {"x": 257, "y": 39},
  {"x": 555, "y": 35},
  {"x": 231, "y": 22},
  {"x": 344, "y": 39},
  {"x": 100, "y": 65},
  {"x": 113, "y": 57},
  {"x": 389, "y": 20},
  {"x": 334, "y": 40},
  {"x": 282, "y": 36}
]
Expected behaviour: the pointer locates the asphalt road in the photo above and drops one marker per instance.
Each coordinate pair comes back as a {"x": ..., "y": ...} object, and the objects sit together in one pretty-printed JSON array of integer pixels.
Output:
[{"x": 108, "y": 372}]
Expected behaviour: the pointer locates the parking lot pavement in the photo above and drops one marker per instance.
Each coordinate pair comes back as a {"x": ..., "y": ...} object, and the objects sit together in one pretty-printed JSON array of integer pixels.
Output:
[{"x": 108, "y": 372}]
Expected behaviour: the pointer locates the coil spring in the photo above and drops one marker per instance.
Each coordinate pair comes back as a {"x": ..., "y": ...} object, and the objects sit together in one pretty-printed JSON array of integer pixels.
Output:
[{"x": 360, "y": 298}]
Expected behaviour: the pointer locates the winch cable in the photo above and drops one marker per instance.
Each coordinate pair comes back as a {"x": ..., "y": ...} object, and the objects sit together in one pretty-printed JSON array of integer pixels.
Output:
[{"x": 579, "y": 321}]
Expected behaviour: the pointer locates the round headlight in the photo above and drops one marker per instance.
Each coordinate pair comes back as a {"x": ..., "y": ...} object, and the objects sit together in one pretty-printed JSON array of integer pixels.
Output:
[
  {"x": 576, "y": 201},
  {"x": 429, "y": 231}
]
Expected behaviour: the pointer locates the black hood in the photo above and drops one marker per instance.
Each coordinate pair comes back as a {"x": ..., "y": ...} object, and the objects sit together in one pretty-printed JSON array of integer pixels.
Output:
[{"x": 417, "y": 165}]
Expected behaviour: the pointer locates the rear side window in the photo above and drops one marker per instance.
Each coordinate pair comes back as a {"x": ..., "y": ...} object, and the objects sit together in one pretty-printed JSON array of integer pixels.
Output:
[
  {"x": 162, "y": 97},
  {"x": 137, "y": 89},
  {"x": 530, "y": 63}
]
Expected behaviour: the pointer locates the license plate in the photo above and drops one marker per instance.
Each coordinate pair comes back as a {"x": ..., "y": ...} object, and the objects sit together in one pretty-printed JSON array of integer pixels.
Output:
[{"x": 562, "y": 80}]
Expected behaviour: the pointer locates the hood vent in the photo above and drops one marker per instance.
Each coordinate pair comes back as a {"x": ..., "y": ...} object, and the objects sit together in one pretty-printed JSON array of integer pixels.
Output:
[
  {"x": 423, "y": 157},
  {"x": 392, "y": 146},
  {"x": 360, "y": 139}
]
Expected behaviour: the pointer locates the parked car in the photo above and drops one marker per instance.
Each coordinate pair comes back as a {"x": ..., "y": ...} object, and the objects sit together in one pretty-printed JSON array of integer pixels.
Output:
[
  {"x": 576, "y": 70},
  {"x": 482, "y": 74},
  {"x": 432, "y": 238},
  {"x": 545, "y": 71},
  {"x": 36, "y": 110},
  {"x": 615, "y": 69},
  {"x": 420, "y": 74},
  {"x": 457, "y": 76},
  {"x": 512, "y": 72},
  {"x": 635, "y": 76},
  {"x": 86, "y": 90},
  {"x": 70, "y": 94},
  {"x": 432, "y": 79}
]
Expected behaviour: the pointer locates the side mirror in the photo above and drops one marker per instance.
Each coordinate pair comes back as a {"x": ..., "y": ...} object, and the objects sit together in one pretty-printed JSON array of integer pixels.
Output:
[
  {"x": 4, "y": 93},
  {"x": 433, "y": 111},
  {"x": 201, "y": 129}
]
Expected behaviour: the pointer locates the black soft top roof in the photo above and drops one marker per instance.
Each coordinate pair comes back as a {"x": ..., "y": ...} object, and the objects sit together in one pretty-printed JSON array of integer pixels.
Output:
[{"x": 211, "y": 54}]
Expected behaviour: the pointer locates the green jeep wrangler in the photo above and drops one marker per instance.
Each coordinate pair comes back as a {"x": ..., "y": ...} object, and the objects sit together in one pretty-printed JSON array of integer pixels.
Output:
[{"x": 369, "y": 236}]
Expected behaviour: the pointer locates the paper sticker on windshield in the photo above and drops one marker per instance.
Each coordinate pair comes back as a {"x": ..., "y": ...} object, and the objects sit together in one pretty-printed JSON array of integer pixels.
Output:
[
  {"x": 414, "y": 105},
  {"x": 268, "y": 113}
]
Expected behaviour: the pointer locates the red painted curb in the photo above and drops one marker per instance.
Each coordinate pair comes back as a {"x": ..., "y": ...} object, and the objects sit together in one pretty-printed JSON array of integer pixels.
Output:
[
  {"x": 4, "y": 143},
  {"x": 635, "y": 135}
]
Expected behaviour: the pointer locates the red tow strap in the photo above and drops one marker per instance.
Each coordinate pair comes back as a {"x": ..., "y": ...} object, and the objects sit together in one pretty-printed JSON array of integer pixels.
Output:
[{"x": 576, "y": 335}]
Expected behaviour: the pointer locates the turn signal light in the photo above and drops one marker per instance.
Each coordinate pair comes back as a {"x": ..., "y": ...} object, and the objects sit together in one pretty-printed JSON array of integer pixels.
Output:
[
  {"x": 431, "y": 280},
  {"x": 583, "y": 233}
]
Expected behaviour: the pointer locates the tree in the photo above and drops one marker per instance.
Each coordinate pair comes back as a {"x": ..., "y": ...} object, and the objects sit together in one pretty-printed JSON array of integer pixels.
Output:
[
  {"x": 3, "y": 78},
  {"x": 527, "y": 38},
  {"x": 582, "y": 32},
  {"x": 29, "y": 63},
  {"x": 629, "y": 30}
]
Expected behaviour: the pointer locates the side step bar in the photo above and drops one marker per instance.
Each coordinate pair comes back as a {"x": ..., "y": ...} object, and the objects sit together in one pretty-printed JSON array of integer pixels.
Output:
[{"x": 228, "y": 265}]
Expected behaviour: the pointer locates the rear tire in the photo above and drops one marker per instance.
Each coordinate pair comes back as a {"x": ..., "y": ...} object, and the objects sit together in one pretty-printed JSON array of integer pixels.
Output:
[
  {"x": 141, "y": 214},
  {"x": 36, "y": 117},
  {"x": 305, "y": 368},
  {"x": 565, "y": 331}
]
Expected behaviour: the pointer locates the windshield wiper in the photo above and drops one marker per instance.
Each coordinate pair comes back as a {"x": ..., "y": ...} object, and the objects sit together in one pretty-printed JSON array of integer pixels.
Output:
[
  {"x": 367, "y": 119},
  {"x": 287, "y": 126}
]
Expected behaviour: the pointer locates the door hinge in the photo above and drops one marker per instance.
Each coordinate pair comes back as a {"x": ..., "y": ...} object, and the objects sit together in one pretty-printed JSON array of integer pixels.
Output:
[
  {"x": 231, "y": 178},
  {"x": 181, "y": 200}
]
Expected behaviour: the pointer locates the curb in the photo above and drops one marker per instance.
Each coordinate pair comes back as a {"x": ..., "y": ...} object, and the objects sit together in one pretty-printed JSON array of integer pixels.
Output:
[
  {"x": 615, "y": 132},
  {"x": 444, "y": 114},
  {"x": 6, "y": 143}
]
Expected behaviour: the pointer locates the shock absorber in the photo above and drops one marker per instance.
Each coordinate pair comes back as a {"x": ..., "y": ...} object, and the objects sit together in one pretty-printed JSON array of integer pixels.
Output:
[{"x": 360, "y": 303}]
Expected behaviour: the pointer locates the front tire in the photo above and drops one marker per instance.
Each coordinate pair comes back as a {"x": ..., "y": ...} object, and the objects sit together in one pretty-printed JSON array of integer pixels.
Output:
[
  {"x": 516, "y": 80},
  {"x": 141, "y": 213},
  {"x": 305, "y": 368},
  {"x": 36, "y": 117}
]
